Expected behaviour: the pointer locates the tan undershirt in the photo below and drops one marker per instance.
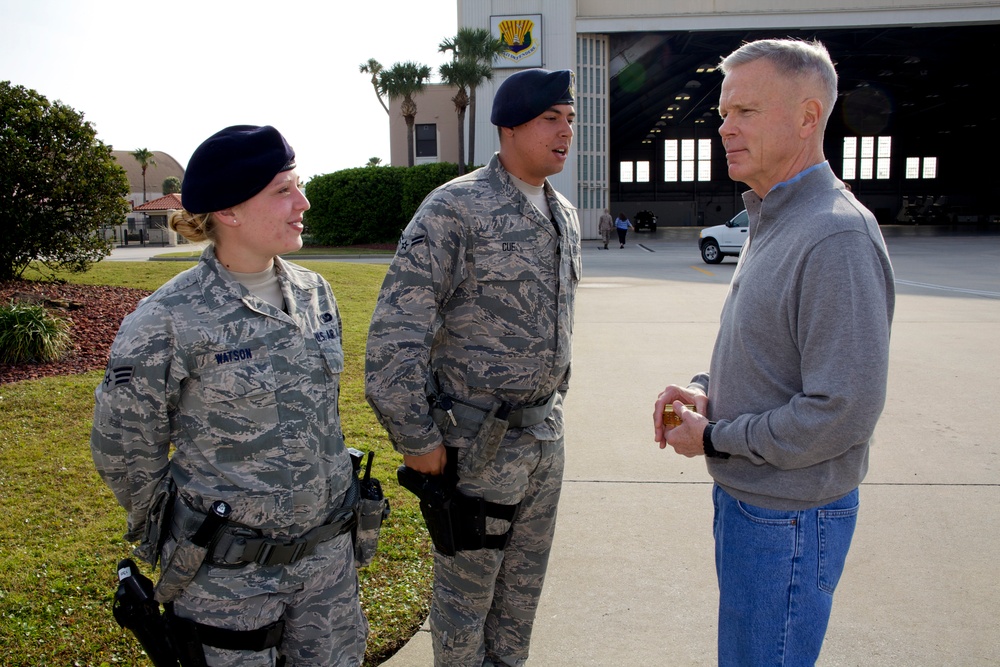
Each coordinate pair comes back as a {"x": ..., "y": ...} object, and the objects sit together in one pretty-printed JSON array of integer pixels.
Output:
[
  {"x": 264, "y": 285},
  {"x": 535, "y": 194}
]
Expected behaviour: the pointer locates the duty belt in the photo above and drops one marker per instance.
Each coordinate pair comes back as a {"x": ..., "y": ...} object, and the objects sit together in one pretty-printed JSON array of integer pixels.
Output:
[
  {"x": 235, "y": 545},
  {"x": 235, "y": 548},
  {"x": 464, "y": 419}
]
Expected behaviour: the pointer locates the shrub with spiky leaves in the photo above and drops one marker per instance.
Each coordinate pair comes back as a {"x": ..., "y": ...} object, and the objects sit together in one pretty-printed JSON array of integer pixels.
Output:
[{"x": 29, "y": 333}]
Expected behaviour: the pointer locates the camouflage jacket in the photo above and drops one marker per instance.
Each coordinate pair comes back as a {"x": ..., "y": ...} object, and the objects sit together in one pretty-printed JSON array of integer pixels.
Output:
[
  {"x": 477, "y": 304},
  {"x": 246, "y": 393}
]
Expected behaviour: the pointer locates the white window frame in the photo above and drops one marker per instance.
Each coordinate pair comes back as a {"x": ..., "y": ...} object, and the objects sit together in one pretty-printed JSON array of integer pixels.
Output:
[
  {"x": 867, "y": 158},
  {"x": 687, "y": 160}
]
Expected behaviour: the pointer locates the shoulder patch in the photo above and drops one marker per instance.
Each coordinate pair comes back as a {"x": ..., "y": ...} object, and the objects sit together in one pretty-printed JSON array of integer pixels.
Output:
[
  {"x": 406, "y": 243},
  {"x": 117, "y": 375}
]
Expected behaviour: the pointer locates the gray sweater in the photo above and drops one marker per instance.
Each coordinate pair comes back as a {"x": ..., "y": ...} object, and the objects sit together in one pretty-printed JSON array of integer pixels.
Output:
[{"x": 798, "y": 374}]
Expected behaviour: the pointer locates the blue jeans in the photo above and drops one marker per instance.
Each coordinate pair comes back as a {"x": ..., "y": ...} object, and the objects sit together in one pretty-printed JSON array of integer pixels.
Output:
[{"x": 777, "y": 572}]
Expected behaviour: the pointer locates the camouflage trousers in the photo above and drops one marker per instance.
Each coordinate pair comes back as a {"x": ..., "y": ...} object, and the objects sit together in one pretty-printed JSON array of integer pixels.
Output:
[
  {"x": 484, "y": 601},
  {"x": 316, "y": 597}
]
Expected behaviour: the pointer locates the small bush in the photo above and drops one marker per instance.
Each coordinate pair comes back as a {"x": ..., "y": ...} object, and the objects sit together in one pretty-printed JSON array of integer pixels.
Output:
[
  {"x": 30, "y": 333},
  {"x": 369, "y": 204},
  {"x": 355, "y": 206},
  {"x": 419, "y": 181}
]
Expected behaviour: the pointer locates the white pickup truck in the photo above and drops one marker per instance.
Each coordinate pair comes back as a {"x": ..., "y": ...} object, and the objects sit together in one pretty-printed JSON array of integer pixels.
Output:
[{"x": 720, "y": 241}]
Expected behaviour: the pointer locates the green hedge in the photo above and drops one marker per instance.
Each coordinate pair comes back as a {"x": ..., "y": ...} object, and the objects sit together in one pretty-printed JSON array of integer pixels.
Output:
[
  {"x": 369, "y": 204},
  {"x": 418, "y": 182}
]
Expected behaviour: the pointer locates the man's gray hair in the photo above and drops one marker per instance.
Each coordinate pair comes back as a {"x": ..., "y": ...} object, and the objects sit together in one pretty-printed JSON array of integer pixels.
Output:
[{"x": 791, "y": 56}]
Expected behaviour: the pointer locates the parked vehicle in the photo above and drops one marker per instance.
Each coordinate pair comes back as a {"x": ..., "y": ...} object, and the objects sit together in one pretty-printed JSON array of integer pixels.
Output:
[
  {"x": 645, "y": 220},
  {"x": 721, "y": 241}
]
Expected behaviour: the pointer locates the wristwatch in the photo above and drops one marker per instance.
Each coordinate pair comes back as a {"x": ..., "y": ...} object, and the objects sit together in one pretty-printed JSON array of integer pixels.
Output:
[{"x": 706, "y": 441}]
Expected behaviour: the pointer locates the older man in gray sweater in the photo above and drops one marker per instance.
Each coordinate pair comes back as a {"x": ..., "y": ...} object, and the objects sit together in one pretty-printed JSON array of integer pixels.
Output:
[{"x": 798, "y": 376}]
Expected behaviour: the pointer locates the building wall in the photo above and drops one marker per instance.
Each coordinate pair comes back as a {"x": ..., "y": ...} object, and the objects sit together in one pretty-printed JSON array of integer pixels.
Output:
[
  {"x": 434, "y": 105},
  {"x": 646, "y": 15},
  {"x": 592, "y": 132},
  {"x": 558, "y": 52},
  {"x": 572, "y": 29}
]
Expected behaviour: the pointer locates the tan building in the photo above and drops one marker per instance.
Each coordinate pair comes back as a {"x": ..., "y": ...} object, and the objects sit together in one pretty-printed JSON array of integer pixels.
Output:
[{"x": 435, "y": 128}]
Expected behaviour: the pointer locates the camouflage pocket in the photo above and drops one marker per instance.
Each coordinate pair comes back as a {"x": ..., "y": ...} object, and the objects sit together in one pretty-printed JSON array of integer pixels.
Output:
[
  {"x": 178, "y": 567},
  {"x": 484, "y": 446},
  {"x": 371, "y": 513},
  {"x": 157, "y": 521},
  {"x": 371, "y": 508}
]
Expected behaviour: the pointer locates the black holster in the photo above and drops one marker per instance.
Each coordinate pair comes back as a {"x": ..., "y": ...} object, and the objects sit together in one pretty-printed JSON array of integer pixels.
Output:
[
  {"x": 435, "y": 493},
  {"x": 168, "y": 638},
  {"x": 135, "y": 609},
  {"x": 455, "y": 521},
  {"x": 190, "y": 638}
]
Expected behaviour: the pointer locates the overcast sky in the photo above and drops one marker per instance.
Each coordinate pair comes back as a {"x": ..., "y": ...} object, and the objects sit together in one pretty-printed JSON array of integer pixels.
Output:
[{"x": 165, "y": 75}]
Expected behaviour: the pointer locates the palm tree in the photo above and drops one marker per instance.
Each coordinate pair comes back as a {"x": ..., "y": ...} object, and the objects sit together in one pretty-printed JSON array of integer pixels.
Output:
[
  {"x": 462, "y": 73},
  {"x": 405, "y": 80},
  {"x": 145, "y": 159},
  {"x": 480, "y": 46},
  {"x": 374, "y": 162},
  {"x": 374, "y": 68}
]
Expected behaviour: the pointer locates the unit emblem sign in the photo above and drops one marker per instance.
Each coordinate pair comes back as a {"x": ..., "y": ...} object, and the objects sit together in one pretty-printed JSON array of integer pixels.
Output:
[{"x": 523, "y": 37}]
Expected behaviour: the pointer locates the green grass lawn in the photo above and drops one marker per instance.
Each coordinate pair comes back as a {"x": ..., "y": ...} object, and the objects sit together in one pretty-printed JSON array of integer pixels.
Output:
[
  {"x": 61, "y": 528},
  {"x": 302, "y": 253}
]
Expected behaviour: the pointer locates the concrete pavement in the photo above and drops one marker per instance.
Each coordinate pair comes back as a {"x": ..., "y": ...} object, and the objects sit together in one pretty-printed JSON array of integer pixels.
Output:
[
  {"x": 137, "y": 252},
  {"x": 631, "y": 578}
]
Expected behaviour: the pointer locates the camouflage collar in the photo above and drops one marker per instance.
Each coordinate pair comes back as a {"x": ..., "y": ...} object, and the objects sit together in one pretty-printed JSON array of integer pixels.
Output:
[
  {"x": 219, "y": 288},
  {"x": 501, "y": 179},
  {"x": 503, "y": 183}
]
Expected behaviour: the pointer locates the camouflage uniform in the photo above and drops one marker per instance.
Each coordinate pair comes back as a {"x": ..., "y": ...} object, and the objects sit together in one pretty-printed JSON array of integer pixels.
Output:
[
  {"x": 478, "y": 305},
  {"x": 247, "y": 395}
]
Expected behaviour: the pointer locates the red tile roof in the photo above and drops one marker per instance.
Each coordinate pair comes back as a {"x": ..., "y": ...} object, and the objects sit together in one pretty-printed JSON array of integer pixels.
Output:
[{"x": 164, "y": 203}]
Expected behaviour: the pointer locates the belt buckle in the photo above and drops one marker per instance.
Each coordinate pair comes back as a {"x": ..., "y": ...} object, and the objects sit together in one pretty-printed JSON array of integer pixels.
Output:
[
  {"x": 278, "y": 553},
  {"x": 229, "y": 548},
  {"x": 345, "y": 517}
]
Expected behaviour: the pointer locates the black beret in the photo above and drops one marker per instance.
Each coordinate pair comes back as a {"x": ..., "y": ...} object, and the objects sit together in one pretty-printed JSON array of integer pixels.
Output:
[
  {"x": 527, "y": 94},
  {"x": 233, "y": 165}
]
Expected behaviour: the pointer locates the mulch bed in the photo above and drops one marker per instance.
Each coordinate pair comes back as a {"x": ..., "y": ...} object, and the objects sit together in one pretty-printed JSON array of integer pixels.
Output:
[{"x": 96, "y": 311}]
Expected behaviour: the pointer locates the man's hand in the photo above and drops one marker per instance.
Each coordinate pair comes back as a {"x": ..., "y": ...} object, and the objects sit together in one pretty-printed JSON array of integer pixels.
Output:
[
  {"x": 428, "y": 464},
  {"x": 686, "y": 438}
]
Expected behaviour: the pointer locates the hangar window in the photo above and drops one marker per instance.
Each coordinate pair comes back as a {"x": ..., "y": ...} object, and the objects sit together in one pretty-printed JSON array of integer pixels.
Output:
[
  {"x": 921, "y": 167},
  {"x": 634, "y": 171},
  {"x": 866, "y": 159},
  {"x": 687, "y": 159},
  {"x": 642, "y": 171},
  {"x": 625, "y": 175}
]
